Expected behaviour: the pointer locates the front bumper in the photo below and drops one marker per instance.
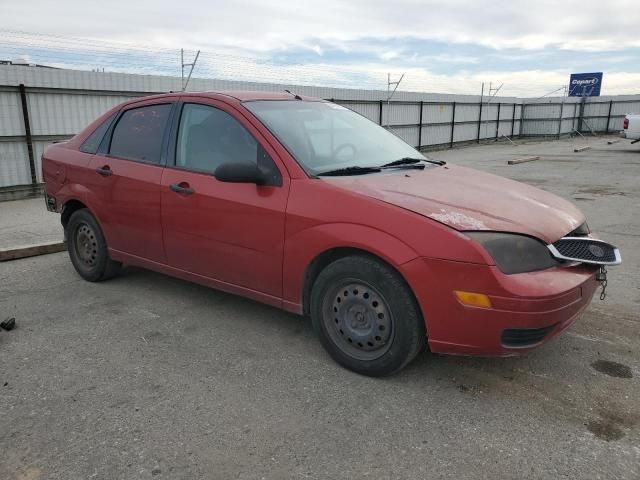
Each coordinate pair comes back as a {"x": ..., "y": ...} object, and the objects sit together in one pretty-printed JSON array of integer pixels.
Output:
[{"x": 527, "y": 309}]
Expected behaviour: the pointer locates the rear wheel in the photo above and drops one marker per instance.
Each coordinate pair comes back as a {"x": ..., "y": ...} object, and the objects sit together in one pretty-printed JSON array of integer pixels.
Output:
[
  {"x": 366, "y": 316},
  {"x": 88, "y": 248}
]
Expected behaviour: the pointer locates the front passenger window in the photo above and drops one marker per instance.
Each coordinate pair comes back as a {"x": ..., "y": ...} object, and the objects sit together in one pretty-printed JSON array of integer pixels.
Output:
[{"x": 209, "y": 137}]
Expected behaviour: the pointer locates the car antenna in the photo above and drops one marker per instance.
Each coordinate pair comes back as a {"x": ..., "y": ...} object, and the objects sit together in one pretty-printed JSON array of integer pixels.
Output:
[{"x": 297, "y": 97}]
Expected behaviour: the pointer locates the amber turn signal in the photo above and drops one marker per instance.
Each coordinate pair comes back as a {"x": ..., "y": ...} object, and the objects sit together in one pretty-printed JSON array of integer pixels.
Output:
[{"x": 473, "y": 299}]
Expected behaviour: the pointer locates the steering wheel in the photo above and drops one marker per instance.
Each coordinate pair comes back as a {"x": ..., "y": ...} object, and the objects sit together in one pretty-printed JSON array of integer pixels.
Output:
[{"x": 345, "y": 146}]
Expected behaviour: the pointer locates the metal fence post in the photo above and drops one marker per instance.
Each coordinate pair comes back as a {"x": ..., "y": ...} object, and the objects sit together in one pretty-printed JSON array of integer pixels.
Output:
[
  {"x": 522, "y": 107},
  {"x": 380, "y": 113},
  {"x": 560, "y": 119},
  {"x": 28, "y": 136},
  {"x": 420, "y": 126},
  {"x": 609, "y": 114},
  {"x": 583, "y": 100},
  {"x": 453, "y": 124},
  {"x": 498, "y": 121},
  {"x": 479, "y": 123},
  {"x": 513, "y": 119}
]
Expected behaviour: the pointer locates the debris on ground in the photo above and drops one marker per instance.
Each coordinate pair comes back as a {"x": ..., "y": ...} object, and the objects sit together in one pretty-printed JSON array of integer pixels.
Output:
[{"x": 8, "y": 324}]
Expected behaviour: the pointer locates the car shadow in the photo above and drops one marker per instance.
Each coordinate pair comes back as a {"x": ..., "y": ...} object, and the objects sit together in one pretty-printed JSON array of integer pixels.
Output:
[{"x": 469, "y": 375}]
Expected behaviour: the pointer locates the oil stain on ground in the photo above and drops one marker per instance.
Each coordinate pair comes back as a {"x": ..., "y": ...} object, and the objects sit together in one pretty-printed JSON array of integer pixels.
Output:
[
  {"x": 613, "y": 369},
  {"x": 605, "y": 430},
  {"x": 610, "y": 426}
]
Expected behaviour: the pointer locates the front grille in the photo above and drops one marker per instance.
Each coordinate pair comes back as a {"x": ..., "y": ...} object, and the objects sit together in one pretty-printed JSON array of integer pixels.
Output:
[
  {"x": 524, "y": 337},
  {"x": 587, "y": 250}
]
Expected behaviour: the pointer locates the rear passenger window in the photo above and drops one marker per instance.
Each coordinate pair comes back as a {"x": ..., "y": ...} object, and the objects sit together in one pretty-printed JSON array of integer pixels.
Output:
[
  {"x": 138, "y": 134},
  {"x": 91, "y": 144}
]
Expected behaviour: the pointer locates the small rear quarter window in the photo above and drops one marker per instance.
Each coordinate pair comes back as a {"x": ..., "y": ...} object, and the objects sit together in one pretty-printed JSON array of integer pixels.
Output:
[{"x": 91, "y": 144}]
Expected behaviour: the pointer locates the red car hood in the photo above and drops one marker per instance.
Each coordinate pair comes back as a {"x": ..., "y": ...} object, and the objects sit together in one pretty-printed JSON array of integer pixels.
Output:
[{"x": 467, "y": 199}]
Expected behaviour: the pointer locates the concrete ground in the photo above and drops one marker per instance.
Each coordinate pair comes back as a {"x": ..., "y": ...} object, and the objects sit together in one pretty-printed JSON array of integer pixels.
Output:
[
  {"x": 27, "y": 222},
  {"x": 148, "y": 376}
]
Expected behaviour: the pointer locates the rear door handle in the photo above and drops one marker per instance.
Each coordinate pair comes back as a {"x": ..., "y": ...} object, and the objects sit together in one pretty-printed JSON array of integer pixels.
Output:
[
  {"x": 104, "y": 171},
  {"x": 182, "y": 188}
]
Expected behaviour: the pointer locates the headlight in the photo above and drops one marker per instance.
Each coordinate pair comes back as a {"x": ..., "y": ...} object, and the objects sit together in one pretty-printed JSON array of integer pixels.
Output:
[
  {"x": 515, "y": 253},
  {"x": 581, "y": 231}
]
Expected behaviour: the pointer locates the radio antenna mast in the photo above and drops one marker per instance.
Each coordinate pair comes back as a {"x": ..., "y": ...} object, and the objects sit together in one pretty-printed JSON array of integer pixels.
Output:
[
  {"x": 493, "y": 91},
  {"x": 192, "y": 65},
  {"x": 391, "y": 92}
]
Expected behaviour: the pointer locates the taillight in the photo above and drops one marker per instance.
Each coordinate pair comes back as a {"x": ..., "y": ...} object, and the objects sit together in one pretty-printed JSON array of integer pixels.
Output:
[{"x": 626, "y": 123}]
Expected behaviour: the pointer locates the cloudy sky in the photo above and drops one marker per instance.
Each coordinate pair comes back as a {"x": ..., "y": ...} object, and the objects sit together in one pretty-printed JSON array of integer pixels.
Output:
[{"x": 444, "y": 46}]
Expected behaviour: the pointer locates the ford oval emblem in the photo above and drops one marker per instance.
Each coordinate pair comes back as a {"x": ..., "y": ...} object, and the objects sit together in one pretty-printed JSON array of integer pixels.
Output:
[{"x": 596, "y": 251}]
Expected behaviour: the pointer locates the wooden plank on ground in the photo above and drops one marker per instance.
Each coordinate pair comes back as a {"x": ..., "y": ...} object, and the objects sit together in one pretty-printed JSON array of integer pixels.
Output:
[
  {"x": 581, "y": 149},
  {"x": 523, "y": 160},
  {"x": 14, "y": 253}
]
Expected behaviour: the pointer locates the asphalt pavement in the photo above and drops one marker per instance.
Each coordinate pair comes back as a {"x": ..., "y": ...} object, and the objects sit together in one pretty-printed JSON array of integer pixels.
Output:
[{"x": 147, "y": 376}]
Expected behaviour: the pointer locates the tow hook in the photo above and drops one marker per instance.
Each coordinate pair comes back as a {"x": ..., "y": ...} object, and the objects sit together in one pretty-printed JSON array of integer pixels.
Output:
[{"x": 601, "y": 277}]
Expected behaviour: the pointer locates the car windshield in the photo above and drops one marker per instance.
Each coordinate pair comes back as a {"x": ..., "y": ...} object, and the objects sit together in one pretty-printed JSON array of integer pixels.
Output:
[{"x": 325, "y": 136}]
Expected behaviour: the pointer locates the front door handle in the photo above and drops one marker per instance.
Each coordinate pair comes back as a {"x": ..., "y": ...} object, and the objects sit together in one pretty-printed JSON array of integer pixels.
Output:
[
  {"x": 182, "y": 188},
  {"x": 104, "y": 171}
]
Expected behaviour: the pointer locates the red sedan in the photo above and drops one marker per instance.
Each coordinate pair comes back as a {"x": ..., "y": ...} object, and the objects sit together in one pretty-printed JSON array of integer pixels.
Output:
[{"x": 310, "y": 207}]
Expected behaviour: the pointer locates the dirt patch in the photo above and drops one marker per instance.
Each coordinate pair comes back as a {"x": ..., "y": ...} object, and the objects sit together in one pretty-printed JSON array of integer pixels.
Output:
[{"x": 613, "y": 369}]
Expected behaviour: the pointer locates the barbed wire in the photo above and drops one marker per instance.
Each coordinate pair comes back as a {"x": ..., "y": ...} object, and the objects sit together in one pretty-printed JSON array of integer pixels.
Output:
[
  {"x": 63, "y": 51},
  {"x": 120, "y": 57}
]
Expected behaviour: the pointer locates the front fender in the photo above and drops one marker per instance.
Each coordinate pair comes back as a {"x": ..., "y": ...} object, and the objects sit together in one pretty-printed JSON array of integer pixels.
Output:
[{"x": 301, "y": 248}]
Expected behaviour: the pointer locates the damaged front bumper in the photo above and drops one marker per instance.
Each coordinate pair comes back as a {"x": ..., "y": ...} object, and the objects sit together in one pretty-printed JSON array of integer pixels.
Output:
[
  {"x": 526, "y": 309},
  {"x": 51, "y": 203}
]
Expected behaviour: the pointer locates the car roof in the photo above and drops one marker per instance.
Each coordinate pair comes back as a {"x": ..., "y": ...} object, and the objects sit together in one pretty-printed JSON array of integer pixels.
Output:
[
  {"x": 251, "y": 95},
  {"x": 233, "y": 95}
]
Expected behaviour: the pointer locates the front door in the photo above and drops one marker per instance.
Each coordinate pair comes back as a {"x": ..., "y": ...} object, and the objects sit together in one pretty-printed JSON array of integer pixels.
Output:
[{"x": 231, "y": 232}]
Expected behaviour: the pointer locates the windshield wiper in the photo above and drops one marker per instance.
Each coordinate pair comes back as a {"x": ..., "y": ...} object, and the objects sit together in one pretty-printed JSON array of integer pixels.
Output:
[
  {"x": 411, "y": 161},
  {"x": 354, "y": 170},
  {"x": 405, "y": 162}
]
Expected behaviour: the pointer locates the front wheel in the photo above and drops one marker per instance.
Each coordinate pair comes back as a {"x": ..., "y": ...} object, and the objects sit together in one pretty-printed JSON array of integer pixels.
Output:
[
  {"x": 366, "y": 316},
  {"x": 88, "y": 248}
]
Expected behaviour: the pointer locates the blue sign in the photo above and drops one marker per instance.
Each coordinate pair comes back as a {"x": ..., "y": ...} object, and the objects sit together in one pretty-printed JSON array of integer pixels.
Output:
[{"x": 585, "y": 84}]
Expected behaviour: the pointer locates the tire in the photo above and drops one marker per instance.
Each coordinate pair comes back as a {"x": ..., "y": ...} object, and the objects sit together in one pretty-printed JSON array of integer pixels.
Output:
[
  {"x": 88, "y": 248},
  {"x": 366, "y": 316}
]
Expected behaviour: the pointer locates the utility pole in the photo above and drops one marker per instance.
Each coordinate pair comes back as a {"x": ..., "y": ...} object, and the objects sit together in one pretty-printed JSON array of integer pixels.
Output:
[
  {"x": 192, "y": 65},
  {"x": 390, "y": 93}
]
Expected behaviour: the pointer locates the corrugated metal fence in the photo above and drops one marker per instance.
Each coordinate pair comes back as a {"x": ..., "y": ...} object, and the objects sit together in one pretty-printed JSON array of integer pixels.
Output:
[{"x": 56, "y": 104}]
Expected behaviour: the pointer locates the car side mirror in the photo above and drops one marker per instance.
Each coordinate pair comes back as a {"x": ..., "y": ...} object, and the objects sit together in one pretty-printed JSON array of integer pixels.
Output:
[{"x": 240, "y": 172}]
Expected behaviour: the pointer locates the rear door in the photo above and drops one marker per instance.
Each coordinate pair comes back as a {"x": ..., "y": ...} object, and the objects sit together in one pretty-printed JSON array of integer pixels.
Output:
[
  {"x": 126, "y": 175},
  {"x": 232, "y": 232}
]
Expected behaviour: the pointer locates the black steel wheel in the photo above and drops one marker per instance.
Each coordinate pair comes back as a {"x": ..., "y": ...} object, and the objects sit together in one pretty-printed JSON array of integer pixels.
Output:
[
  {"x": 366, "y": 316},
  {"x": 358, "y": 319},
  {"x": 88, "y": 249},
  {"x": 86, "y": 245}
]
